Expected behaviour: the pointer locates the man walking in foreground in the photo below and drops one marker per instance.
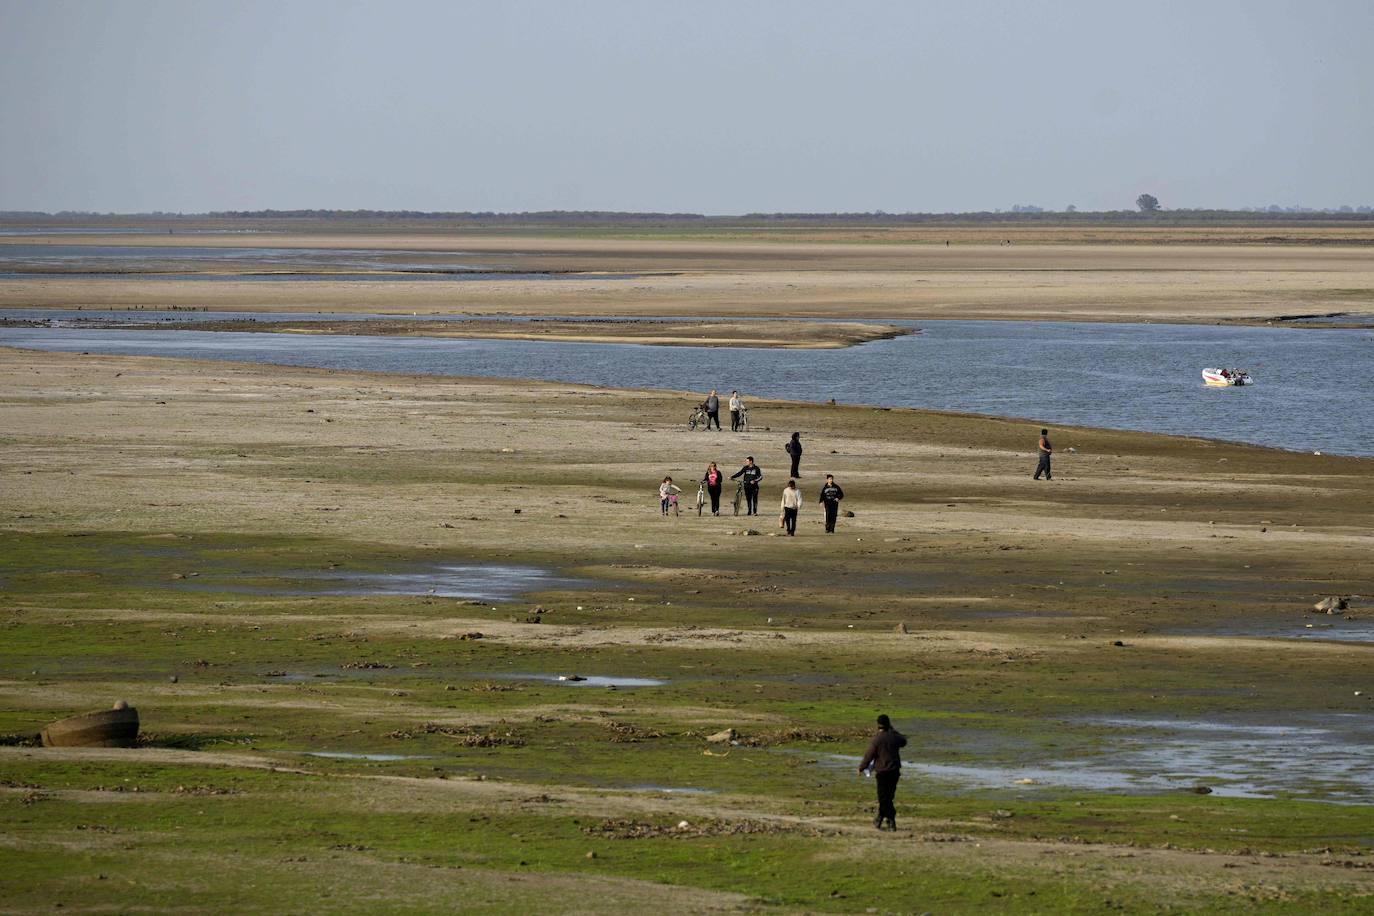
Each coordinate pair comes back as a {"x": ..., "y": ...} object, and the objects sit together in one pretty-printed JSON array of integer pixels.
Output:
[
  {"x": 831, "y": 494},
  {"x": 884, "y": 755},
  {"x": 1045, "y": 451}
]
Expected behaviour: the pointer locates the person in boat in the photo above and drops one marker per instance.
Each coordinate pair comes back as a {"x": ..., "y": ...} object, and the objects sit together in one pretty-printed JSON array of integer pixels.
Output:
[{"x": 1046, "y": 450}]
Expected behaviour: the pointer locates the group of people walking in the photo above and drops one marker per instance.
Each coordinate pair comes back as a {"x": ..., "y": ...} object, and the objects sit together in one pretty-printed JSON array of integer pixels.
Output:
[{"x": 750, "y": 476}]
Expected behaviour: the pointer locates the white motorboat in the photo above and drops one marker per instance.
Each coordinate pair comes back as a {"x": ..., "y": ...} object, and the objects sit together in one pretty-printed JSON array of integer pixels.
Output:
[{"x": 1225, "y": 378}]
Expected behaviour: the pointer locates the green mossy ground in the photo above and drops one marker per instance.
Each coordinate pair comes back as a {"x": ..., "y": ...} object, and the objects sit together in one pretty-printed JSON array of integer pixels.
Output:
[{"x": 284, "y": 839}]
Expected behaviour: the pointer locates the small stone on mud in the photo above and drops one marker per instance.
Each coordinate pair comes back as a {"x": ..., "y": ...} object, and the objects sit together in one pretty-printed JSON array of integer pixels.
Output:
[
  {"x": 900, "y": 628},
  {"x": 724, "y": 737},
  {"x": 517, "y": 511},
  {"x": 1118, "y": 643},
  {"x": 848, "y": 514},
  {"x": 591, "y": 855},
  {"x": 1202, "y": 790},
  {"x": 683, "y": 825}
]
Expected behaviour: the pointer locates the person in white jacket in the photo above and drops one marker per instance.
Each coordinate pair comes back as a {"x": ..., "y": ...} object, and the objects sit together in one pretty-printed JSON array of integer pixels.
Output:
[
  {"x": 736, "y": 411},
  {"x": 791, "y": 502}
]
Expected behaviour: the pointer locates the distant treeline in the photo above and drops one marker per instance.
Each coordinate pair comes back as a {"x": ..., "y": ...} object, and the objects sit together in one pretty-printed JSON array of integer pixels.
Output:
[{"x": 1022, "y": 215}]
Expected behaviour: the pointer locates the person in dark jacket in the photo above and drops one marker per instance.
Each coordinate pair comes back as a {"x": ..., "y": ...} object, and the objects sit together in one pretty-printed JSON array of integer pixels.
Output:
[
  {"x": 794, "y": 449},
  {"x": 713, "y": 479},
  {"x": 712, "y": 406},
  {"x": 752, "y": 474},
  {"x": 884, "y": 755},
  {"x": 831, "y": 494},
  {"x": 1046, "y": 450}
]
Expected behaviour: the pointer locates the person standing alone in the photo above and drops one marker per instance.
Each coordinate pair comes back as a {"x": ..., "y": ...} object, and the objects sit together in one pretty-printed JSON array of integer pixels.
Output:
[
  {"x": 884, "y": 755},
  {"x": 831, "y": 494},
  {"x": 712, "y": 409},
  {"x": 794, "y": 448},
  {"x": 1045, "y": 451},
  {"x": 791, "y": 503}
]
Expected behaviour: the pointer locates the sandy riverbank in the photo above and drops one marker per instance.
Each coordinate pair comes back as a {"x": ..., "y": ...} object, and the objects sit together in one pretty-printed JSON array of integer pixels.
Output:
[{"x": 781, "y": 333}]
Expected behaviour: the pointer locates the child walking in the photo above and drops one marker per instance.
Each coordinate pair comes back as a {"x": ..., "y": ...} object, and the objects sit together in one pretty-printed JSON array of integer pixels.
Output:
[{"x": 667, "y": 496}]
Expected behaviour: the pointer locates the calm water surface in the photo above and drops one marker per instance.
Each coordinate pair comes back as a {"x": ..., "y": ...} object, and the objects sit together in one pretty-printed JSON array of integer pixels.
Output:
[{"x": 1314, "y": 389}]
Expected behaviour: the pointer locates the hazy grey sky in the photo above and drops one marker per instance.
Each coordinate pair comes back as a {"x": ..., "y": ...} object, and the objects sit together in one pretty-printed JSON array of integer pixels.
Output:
[{"x": 715, "y": 107}]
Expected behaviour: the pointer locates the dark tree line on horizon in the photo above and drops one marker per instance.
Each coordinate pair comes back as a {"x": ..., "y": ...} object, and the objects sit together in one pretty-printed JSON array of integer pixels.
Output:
[{"x": 1020, "y": 213}]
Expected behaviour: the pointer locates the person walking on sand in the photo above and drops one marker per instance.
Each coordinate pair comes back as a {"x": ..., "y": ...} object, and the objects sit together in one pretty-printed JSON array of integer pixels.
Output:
[
  {"x": 885, "y": 757},
  {"x": 713, "y": 479},
  {"x": 794, "y": 448},
  {"x": 1046, "y": 450},
  {"x": 667, "y": 496},
  {"x": 752, "y": 474},
  {"x": 791, "y": 502},
  {"x": 831, "y": 494},
  {"x": 736, "y": 410},
  {"x": 713, "y": 409}
]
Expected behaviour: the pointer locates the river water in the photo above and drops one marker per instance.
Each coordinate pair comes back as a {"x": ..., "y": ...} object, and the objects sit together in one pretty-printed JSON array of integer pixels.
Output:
[{"x": 1314, "y": 390}]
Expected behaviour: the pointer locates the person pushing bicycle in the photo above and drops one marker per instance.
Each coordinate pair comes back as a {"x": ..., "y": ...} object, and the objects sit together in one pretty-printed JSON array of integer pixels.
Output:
[{"x": 750, "y": 476}]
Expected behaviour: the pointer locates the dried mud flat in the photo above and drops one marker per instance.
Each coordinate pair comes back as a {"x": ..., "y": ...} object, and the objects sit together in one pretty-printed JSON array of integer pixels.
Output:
[
  {"x": 1089, "y": 274},
  {"x": 1023, "y": 608}
]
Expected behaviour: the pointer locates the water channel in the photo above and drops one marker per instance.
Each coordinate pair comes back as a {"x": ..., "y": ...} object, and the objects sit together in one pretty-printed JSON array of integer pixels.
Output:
[{"x": 1313, "y": 391}]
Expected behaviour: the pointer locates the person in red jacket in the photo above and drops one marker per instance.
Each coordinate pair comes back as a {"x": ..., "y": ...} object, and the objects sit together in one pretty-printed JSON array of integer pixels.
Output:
[{"x": 885, "y": 757}]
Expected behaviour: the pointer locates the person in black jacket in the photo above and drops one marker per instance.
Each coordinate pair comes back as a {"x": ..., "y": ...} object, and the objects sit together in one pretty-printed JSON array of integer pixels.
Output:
[
  {"x": 752, "y": 474},
  {"x": 831, "y": 494},
  {"x": 884, "y": 755},
  {"x": 794, "y": 449},
  {"x": 712, "y": 406}
]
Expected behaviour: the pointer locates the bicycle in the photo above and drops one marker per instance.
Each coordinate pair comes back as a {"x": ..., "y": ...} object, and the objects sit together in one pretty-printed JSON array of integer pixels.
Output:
[
  {"x": 701, "y": 495},
  {"x": 698, "y": 417},
  {"x": 743, "y": 419},
  {"x": 739, "y": 497}
]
